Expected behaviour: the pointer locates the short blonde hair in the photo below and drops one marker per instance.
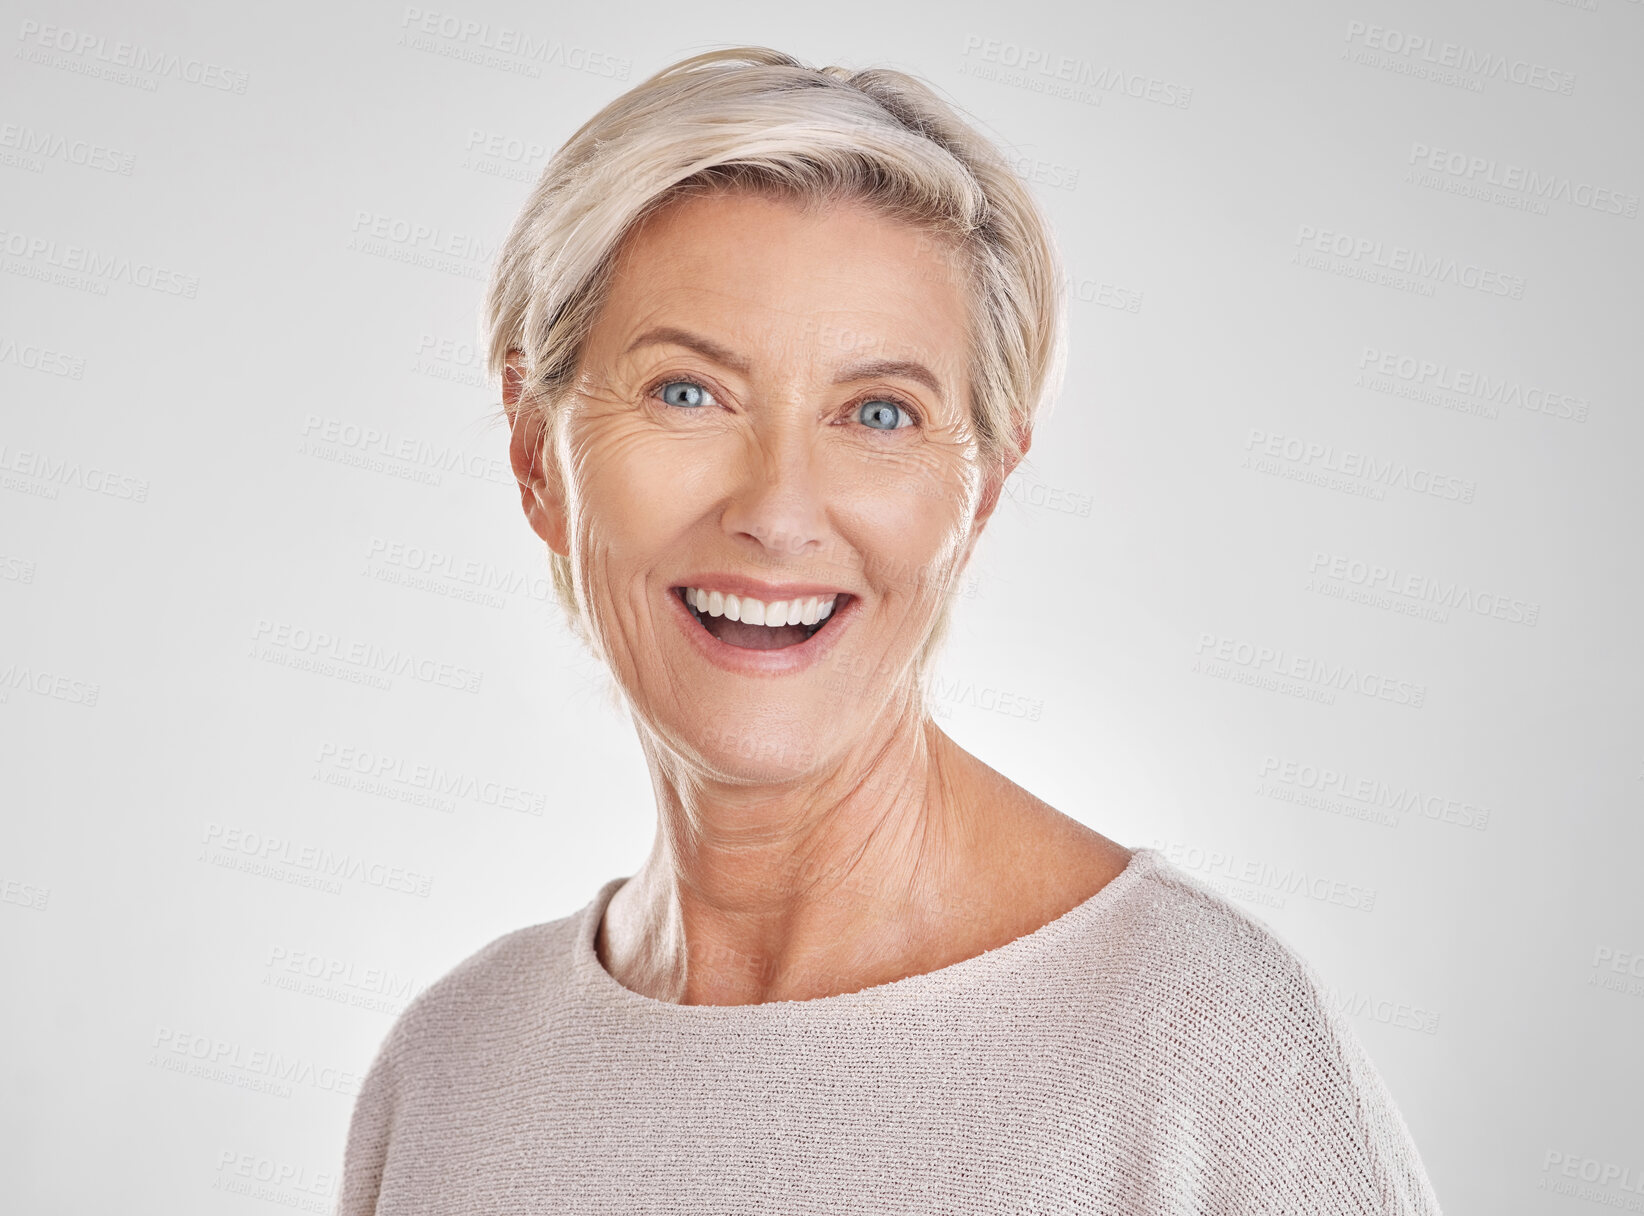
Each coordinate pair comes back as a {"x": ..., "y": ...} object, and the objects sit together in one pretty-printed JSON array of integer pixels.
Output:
[{"x": 755, "y": 118}]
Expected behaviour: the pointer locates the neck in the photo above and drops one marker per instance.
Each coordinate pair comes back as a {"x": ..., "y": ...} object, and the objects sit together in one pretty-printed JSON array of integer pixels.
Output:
[{"x": 805, "y": 887}]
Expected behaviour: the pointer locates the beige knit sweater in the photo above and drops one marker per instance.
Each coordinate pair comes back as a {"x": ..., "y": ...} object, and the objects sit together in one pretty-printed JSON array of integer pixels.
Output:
[{"x": 1153, "y": 1050}]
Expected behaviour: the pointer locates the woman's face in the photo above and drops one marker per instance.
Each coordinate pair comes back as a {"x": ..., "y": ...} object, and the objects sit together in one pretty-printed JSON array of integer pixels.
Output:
[{"x": 770, "y": 405}]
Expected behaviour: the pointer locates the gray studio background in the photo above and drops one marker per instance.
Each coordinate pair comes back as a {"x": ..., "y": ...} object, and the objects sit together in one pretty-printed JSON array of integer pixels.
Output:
[{"x": 1337, "y": 520}]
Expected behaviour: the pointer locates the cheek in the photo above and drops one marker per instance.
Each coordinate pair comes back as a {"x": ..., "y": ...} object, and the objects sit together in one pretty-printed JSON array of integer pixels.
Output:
[
  {"x": 638, "y": 492},
  {"x": 906, "y": 518},
  {"x": 894, "y": 520}
]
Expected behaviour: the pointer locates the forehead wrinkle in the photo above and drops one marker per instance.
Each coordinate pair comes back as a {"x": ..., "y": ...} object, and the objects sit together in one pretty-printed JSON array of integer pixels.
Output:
[
  {"x": 683, "y": 276},
  {"x": 673, "y": 335},
  {"x": 872, "y": 319},
  {"x": 872, "y": 368}
]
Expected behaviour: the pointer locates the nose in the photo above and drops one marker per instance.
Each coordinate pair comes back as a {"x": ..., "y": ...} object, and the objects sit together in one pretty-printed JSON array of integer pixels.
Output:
[{"x": 779, "y": 497}]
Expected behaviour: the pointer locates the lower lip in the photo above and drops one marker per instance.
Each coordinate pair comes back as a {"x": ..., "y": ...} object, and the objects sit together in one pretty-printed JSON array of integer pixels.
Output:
[{"x": 785, "y": 661}]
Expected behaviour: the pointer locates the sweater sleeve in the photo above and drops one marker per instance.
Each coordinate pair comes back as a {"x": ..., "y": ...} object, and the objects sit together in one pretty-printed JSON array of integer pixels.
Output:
[
  {"x": 1357, "y": 1154},
  {"x": 1398, "y": 1178},
  {"x": 369, "y": 1131},
  {"x": 1274, "y": 1105}
]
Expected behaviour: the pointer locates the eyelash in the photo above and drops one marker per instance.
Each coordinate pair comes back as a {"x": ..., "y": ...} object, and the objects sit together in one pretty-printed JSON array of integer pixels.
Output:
[{"x": 893, "y": 398}]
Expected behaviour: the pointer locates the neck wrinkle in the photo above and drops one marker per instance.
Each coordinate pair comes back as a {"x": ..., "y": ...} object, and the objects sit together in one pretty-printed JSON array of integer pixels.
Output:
[{"x": 755, "y": 895}]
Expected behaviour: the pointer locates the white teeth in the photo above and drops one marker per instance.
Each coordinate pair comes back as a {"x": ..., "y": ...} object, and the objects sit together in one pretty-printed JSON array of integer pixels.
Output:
[{"x": 743, "y": 608}]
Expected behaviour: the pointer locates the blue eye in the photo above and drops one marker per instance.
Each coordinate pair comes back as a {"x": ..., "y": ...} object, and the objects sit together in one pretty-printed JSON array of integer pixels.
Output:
[
  {"x": 880, "y": 413},
  {"x": 884, "y": 410},
  {"x": 693, "y": 394}
]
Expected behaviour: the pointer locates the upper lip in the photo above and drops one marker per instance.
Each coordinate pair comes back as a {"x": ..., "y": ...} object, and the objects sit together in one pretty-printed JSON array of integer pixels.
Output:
[{"x": 768, "y": 593}]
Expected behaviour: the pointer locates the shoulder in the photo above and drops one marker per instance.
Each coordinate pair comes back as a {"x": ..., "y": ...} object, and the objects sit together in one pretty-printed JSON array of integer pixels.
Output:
[
  {"x": 1206, "y": 961},
  {"x": 486, "y": 997},
  {"x": 1237, "y": 1028},
  {"x": 1201, "y": 934},
  {"x": 454, "y": 1035}
]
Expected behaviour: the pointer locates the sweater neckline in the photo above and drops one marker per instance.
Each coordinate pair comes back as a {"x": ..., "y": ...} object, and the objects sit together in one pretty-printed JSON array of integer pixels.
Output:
[{"x": 600, "y": 986}]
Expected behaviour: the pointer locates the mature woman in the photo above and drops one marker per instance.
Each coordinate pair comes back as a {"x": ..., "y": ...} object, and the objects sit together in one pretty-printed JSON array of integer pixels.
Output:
[{"x": 770, "y": 340}]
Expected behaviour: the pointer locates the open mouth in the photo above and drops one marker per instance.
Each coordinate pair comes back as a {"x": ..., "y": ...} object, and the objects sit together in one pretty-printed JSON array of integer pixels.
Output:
[{"x": 748, "y": 636}]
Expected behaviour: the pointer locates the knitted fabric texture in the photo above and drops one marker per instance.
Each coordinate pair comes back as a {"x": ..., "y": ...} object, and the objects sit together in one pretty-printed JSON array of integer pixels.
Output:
[{"x": 1153, "y": 1050}]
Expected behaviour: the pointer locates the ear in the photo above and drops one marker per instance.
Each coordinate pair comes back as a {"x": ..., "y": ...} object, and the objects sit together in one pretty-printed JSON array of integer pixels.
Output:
[
  {"x": 541, "y": 489},
  {"x": 993, "y": 486}
]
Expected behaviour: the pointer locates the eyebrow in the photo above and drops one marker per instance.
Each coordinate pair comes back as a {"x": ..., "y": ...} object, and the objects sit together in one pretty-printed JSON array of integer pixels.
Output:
[{"x": 863, "y": 369}]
